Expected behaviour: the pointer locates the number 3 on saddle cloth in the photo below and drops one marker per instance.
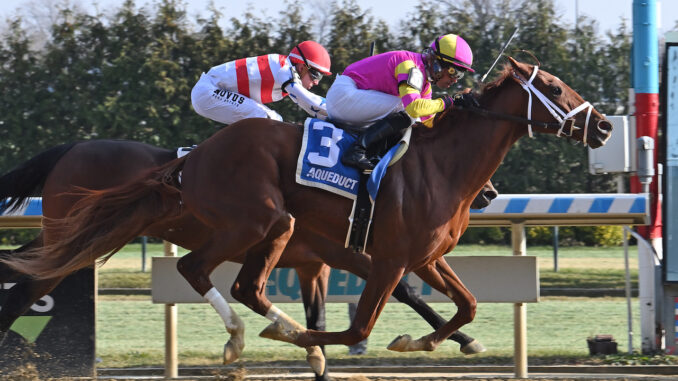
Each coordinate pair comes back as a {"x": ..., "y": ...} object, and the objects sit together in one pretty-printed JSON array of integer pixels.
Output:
[{"x": 319, "y": 166}]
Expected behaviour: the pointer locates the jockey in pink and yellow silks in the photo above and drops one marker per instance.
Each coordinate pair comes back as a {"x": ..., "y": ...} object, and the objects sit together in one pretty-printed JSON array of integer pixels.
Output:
[{"x": 393, "y": 89}]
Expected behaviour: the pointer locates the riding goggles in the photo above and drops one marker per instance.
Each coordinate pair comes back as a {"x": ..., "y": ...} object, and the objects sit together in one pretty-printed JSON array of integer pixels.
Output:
[
  {"x": 315, "y": 74},
  {"x": 454, "y": 73}
]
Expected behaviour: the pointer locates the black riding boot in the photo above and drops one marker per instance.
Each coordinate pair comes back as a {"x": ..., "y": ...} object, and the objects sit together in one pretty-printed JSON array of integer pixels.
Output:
[{"x": 356, "y": 154}]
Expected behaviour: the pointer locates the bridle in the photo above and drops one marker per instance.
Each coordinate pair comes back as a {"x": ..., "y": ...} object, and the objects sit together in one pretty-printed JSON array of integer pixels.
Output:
[{"x": 566, "y": 122}]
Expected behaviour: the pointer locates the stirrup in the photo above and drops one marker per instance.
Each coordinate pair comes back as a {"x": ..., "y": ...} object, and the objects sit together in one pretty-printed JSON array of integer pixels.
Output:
[
  {"x": 356, "y": 156},
  {"x": 361, "y": 163}
]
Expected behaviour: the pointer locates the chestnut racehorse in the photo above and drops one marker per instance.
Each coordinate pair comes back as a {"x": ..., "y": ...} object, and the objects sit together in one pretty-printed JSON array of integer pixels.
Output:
[
  {"x": 101, "y": 164},
  {"x": 241, "y": 183}
]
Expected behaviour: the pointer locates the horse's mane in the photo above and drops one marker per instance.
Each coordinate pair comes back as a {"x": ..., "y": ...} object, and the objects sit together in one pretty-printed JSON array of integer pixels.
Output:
[{"x": 489, "y": 90}]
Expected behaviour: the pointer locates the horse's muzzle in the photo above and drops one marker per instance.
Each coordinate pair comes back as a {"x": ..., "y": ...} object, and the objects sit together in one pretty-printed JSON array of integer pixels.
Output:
[
  {"x": 483, "y": 199},
  {"x": 601, "y": 133}
]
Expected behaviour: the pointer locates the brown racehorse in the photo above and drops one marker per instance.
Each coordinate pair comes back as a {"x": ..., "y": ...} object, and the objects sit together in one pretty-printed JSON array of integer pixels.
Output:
[
  {"x": 101, "y": 164},
  {"x": 241, "y": 183}
]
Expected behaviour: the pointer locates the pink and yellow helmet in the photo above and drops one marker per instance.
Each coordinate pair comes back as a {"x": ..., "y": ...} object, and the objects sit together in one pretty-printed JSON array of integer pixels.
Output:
[{"x": 454, "y": 50}]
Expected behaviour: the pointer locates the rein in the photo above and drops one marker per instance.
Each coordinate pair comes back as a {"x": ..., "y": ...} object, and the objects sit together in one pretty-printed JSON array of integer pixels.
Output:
[
  {"x": 511, "y": 118},
  {"x": 565, "y": 121}
]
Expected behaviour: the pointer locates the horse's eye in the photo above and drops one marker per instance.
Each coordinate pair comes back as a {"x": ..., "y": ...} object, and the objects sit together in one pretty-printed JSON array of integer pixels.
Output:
[{"x": 556, "y": 90}]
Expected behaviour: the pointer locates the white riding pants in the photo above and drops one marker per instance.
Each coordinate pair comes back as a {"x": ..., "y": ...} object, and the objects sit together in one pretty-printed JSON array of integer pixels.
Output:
[
  {"x": 349, "y": 104},
  {"x": 226, "y": 106}
]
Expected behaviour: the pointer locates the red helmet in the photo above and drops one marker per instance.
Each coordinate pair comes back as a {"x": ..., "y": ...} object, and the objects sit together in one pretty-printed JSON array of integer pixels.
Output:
[{"x": 312, "y": 54}]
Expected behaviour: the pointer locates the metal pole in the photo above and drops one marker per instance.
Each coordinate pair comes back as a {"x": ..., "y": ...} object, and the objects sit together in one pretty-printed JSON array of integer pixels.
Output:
[
  {"x": 629, "y": 315},
  {"x": 519, "y": 243},
  {"x": 144, "y": 242},
  {"x": 645, "y": 72},
  {"x": 171, "y": 355},
  {"x": 555, "y": 249}
]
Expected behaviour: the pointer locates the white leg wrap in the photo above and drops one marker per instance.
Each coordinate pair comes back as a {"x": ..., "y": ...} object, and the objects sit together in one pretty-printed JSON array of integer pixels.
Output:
[
  {"x": 220, "y": 304},
  {"x": 275, "y": 314}
]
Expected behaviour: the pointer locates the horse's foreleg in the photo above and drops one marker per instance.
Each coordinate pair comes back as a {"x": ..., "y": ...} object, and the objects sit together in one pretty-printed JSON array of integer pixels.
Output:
[
  {"x": 20, "y": 298},
  {"x": 441, "y": 277},
  {"x": 405, "y": 294},
  {"x": 360, "y": 264},
  {"x": 313, "y": 280}
]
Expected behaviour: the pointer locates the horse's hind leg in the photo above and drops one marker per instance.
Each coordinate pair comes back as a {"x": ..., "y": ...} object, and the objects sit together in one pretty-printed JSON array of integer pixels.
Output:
[
  {"x": 20, "y": 298},
  {"x": 313, "y": 284},
  {"x": 196, "y": 267},
  {"x": 313, "y": 279},
  {"x": 250, "y": 283},
  {"x": 380, "y": 284}
]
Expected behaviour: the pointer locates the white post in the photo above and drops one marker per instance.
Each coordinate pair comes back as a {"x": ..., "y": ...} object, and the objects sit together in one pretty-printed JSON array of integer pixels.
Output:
[
  {"x": 519, "y": 243},
  {"x": 647, "y": 260},
  {"x": 646, "y": 293},
  {"x": 171, "y": 355},
  {"x": 627, "y": 278}
]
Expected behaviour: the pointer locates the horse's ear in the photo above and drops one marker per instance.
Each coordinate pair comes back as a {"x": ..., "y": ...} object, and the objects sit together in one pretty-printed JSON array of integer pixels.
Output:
[
  {"x": 520, "y": 68},
  {"x": 517, "y": 66}
]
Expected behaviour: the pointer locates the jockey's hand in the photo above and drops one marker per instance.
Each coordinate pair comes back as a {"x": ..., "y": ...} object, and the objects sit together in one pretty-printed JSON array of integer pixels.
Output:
[
  {"x": 448, "y": 101},
  {"x": 296, "y": 79},
  {"x": 295, "y": 76},
  {"x": 465, "y": 100}
]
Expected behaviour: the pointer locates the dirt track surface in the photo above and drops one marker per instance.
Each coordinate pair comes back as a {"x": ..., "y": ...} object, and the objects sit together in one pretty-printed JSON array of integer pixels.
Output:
[{"x": 381, "y": 372}]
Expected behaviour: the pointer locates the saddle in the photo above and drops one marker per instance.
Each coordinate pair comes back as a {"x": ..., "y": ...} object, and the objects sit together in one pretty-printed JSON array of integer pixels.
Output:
[
  {"x": 376, "y": 151},
  {"x": 319, "y": 166}
]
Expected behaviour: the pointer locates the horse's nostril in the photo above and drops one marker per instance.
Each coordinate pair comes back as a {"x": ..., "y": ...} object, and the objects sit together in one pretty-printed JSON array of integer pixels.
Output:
[
  {"x": 605, "y": 125},
  {"x": 491, "y": 195}
]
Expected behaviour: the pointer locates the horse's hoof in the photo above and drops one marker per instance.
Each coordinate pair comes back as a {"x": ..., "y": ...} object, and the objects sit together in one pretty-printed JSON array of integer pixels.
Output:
[
  {"x": 472, "y": 348},
  {"x": 316, "y": 359},
  {"x": 400, "y": 343},
  {"x": 232, "y": 352},
  {"x": 276, "y": 331}
]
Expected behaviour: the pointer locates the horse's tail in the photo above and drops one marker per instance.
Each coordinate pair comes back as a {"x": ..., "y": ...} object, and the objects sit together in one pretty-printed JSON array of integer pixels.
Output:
[
  {"x": 8, "y": 274},
  {"x": 102, "y": 222},
  {"x": 28, "y": 179}
]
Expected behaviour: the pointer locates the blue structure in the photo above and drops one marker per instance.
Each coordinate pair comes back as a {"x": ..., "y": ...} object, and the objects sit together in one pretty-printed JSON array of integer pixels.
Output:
[
  {"x": 33, "y": 208},
  {"x": 564, "y": 210}
]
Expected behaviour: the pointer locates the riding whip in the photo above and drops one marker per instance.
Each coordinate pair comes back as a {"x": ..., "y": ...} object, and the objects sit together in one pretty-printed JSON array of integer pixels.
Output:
[{"x": 500, "y": 53}]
